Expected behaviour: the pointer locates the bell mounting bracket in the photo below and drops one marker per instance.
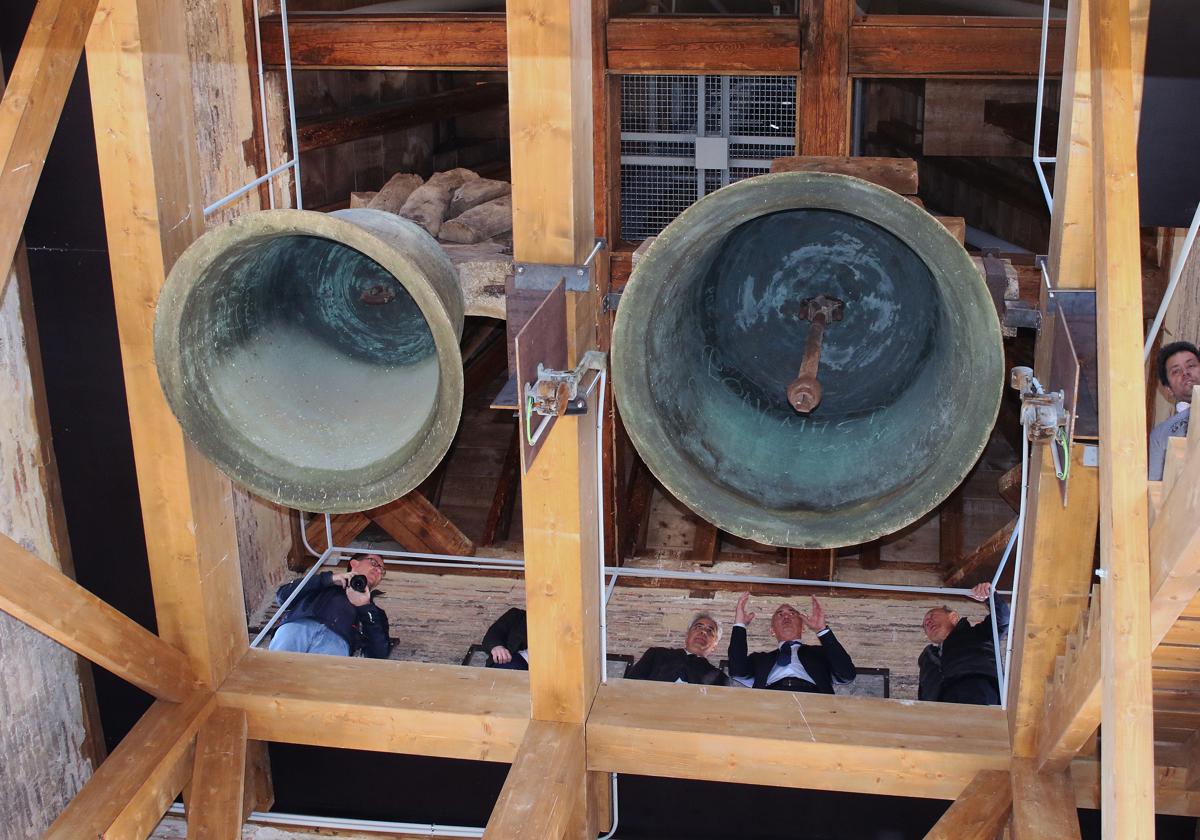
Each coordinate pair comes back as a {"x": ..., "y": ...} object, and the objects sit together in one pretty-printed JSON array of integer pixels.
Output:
[
  {"x": 557, "y": 392},
  {"x": 542, "y": 277},
  {"x": 1042, "y": 413}
]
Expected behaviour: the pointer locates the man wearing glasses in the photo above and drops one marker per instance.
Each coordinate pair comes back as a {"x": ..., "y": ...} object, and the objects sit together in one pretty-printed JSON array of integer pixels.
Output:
[
  {"x": 335, "y": 614},
  {"x": 687, "y": 665}
]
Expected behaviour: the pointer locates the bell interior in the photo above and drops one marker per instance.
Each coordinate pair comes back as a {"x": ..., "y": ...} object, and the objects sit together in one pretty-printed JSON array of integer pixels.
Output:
[
  {"x": 731, "y": 338},
  {"x": 310, "y": 358}
]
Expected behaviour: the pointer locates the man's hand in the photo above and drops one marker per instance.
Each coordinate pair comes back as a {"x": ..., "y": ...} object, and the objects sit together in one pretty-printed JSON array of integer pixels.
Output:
[
  {"x": 500, "y": 655},
  {"x": 815, "y": 620},
  {"x": 342, "y": 579},
  {"x": 358, "y": 599},
  {"x": 740, "y": 615},
  {"x": 981, "y": 591}
]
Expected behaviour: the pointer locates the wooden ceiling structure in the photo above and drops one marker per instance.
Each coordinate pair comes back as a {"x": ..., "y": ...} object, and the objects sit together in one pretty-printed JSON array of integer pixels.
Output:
[{"x": 1076, "y": 667}]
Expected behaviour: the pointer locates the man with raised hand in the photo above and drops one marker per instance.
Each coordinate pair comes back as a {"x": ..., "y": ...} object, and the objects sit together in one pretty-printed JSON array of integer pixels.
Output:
[
  {"x": 959, "y": 664},
  {"x": 792, "y": 666}
]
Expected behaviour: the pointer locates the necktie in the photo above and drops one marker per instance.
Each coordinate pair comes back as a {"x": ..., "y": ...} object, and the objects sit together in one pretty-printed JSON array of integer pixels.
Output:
[{"x": 784, "y": 657}]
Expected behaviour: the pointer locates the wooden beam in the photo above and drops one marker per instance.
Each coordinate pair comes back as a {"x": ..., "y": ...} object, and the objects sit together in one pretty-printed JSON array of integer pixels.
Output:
[
  {"x": 33, "y": 101},
  {"x": 149, "y": 179},
  {"x": 1175, "y": 546},
  {"x": 854, "y": 744},
  {"x": 980, "y": 810},
  {"x": 1009, "y": 487},
  {"x": 706, "y": 542},
  {"x": 1126, "y": 754},
  {"x": 1043, "y": 804},
  {"x": 345, "y": 528},
  {"x": 418, "y": 526},
  {"x": 136, "y": 784},
  {"x": 1056, "y": 576},
  {"x": 355, "y": 124},
  {"x": 950, "y": 531},
  {"x": 508, "y": 485},
  {"x": 895, "y": 173},
  {"x": 380, "y": 705},
  {"x": 215, "y": 807},
  {"x": 639, "y": 493},
  {"x": 914, "y": 46},
  {"x": 823, "y": 123},
  {"x": 545, "y": 786},
  {"x": 811, "y": 563},
  {"x": 387, "y": 42},
  {"x": 981, "y": 563},
  {"x": 666, "y": 44},
  {"x": 58, "y": 607}
]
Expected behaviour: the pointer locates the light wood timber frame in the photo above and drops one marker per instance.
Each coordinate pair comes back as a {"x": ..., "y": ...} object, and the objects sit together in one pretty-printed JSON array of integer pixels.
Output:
[
  {"x": 33, "y": 101},
  {"x": 980, "y": 810}
]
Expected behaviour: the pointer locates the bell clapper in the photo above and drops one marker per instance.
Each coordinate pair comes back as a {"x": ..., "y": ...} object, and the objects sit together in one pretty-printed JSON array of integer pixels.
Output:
[{"x": 804, "y": 393}]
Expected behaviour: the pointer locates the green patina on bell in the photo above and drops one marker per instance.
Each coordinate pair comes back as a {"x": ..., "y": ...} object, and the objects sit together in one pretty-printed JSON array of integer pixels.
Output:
[
  {"x": 314, "y": 357},
  {"x": 710, "y": 333}
]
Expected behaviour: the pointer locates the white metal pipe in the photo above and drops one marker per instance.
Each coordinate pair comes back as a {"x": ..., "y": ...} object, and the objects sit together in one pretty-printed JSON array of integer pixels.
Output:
[
  {"x": 291, "y": 597},
  {"x": 1016, "y": 581},
  {"x": 349, "y": 824},
  {"x": 1038, "y": 160},
  {"x": 291, "y": 99},
  {"x": 238, "y": 193},
  {"x": 616, "y": 814},
  {"x": 262, "y": 101},
  {"x": 603, "y": 378},
  {"x": 1176, "y": 273}
]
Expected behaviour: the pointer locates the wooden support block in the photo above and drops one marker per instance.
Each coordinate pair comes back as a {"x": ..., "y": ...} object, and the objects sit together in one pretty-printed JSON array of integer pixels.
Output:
[
  {"x": 894, "y": 173},
  {"x": 856, "y": 744},
  {"x": 638, "y": 495},
  {"x": 136, "y": 784},
  {"x": 53, "y": 604},
  {"x": 545, "y": 790},
  {"x": 950, "y": 531},
  {"x": 706, "y": 543},
  {"x": 499, "y": 519},
  {"x": 345, "y": 527},
  {"x": 981, "y": 563},
  {"x": 1009, "y": 487},
  {"x": 1043, "y": 804},
  {"x": 868, "y": 555},
  {"x": 380, "y": 705},
  {"x": 980, "y": 811},
  {"x": 668, "y": 43},
  {"x": 823, "y": 124},
  {"x": 215, "y": 808},
  {"x": 811, "y": 563},
  {"x": 259, "y": 794},
  {"x": 418, "y": 526},
  {"x": 957, "y": 226},
  {"x": 33, "y": 101}
]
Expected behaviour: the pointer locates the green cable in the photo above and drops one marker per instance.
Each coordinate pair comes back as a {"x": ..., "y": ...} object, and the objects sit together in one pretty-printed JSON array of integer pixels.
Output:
[
  {"x": 1061, "y": 439},
  {"x": 529, "y": 419}
]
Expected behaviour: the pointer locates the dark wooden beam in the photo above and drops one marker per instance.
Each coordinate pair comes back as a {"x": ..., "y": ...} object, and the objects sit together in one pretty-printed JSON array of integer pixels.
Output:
[
  {"x": 418, "y": 526},
  {"x": 918, "y": 46},
  {"x": 703, "y": 45},
  {"x": 811, "y": 563},
  {"x": 981, "y": 563},
  {"x": 950, "y": 530},
  {"x": 357, "y": 123},
  {"x": 868, "y": 555},
  {"x": 638, "y": 495},
  {"x": 706, "y": 543},
  {"x": 396, "y": 42},
  {"x": 823, "y": 123},
  {"x": 499, "y": 518}
]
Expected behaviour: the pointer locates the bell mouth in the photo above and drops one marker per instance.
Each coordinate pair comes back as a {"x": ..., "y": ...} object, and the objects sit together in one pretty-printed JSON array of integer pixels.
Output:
[
  {"x": 311, "y": 357},
  {"x": 910, "y": 377}
]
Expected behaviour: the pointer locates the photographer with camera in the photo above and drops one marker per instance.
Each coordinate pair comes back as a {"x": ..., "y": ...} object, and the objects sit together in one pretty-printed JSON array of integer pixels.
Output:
[{"x": 334, "y": 614}]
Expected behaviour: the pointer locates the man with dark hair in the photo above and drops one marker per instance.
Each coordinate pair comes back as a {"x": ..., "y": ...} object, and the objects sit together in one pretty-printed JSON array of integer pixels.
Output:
[
  {"x": 959, "y": 664},
  {"x": 792, "y": 666},
  {"x": 335, "y": 614},
  {"x": 507, "y": 641},
  {"x": 688, "y": 664},
  {"x": 1178, "y": 372}
]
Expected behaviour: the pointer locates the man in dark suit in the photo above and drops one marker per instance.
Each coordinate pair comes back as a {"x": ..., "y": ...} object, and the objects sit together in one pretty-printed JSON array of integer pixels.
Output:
[
  {"x": 507, "y": 642},
  {"x": 959, "y": 664},
  {"x": 689, "y": 664},
  {"x": 792, "y": 666}
]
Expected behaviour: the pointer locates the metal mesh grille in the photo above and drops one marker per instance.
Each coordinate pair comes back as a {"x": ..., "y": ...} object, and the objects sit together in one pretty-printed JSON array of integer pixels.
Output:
[{"x": 660, "y": 117}]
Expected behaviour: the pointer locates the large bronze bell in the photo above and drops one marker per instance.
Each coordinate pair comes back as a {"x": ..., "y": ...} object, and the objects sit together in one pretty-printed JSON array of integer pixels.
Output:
[
  {"x": 314, "y": 357},
  {"x": 711, "y": 349}
]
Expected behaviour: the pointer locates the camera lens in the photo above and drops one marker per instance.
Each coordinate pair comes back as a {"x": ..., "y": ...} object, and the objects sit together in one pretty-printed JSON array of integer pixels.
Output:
[{"x": 359, "y": 583}]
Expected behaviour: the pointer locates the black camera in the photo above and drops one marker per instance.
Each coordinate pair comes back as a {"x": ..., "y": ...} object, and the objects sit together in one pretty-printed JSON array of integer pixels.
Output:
[{"x": 358, "y": 583}]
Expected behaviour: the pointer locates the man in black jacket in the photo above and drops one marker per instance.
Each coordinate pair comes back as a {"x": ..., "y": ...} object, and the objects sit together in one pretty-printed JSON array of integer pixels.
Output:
[
  {"x": 689, "y": 664},
  {"x": 507, "y": 642},
  {"x": 793, "y": 666},
  {"x": 960, "y": 664},
  {"x": 331, "y": 615}
]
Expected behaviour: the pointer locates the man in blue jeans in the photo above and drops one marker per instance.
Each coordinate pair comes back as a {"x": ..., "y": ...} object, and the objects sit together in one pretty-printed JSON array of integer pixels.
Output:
[{"x": 335, "y": 614}]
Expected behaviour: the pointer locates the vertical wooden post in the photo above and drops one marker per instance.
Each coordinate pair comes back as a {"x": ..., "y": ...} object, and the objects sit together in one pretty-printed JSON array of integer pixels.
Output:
[
  {"x": 145, "y": 143},
  {"x": 950, "y": 531},
  {"x": 823, "y": 112},
  {"x": 1126, "y": 731},
  {"x": 550, "y": 71}
]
